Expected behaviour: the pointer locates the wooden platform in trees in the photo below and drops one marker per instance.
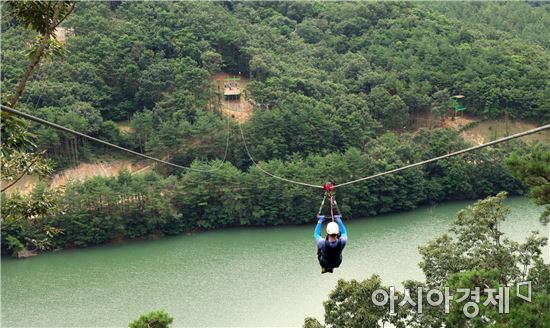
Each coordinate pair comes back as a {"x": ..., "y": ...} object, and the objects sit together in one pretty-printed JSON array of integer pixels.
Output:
[{"x": 235, "y": 102}]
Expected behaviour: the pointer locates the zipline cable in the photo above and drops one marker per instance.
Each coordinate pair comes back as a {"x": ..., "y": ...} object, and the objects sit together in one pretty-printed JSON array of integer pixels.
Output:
[
  {"x": 271, "y": 174},
  {"x": 105, "y": 143},
  {"x": 456, "y": 153}
]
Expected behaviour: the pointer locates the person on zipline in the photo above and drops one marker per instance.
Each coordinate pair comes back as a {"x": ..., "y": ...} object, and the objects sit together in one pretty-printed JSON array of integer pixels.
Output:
[{"x": 329, "y": 249}]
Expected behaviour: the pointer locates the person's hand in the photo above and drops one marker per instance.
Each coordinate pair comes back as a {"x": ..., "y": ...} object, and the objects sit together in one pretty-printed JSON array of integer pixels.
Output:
[
  {"x": 338, "y": 218},
  {"x": 321, "y": 218}
]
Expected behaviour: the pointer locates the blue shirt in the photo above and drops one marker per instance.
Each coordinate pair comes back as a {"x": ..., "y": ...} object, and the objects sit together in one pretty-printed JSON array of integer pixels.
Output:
[{"x": 320, "y": 241}]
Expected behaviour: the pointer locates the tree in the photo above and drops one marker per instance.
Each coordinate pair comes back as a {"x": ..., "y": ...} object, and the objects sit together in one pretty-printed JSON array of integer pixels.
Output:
[
  {"x": 261, "y": 65},
  {"x": 479, "y": 244},
  {"x": 43, "y": 17},
  {"x": 533, "y": 169},
  {"x": 212, "y": 61},
  {"x": 312, "y": 323},
  {"x": 441, "y": 103},
  {"x": 142, "y": 124},
  {"x": 178, "y": 106},
  {"x": 350, "y": 305},
  {"x": 24, "y": 223},
  {"x": 388, "y": 109},
  {"x": 308, "y": 31},
  {"x": 153, "y": 319},
  {"x": 17, "y": 157}
]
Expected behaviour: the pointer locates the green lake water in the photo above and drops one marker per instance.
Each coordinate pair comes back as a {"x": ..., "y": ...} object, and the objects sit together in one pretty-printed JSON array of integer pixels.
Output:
[{"x": 234, "y": 277}]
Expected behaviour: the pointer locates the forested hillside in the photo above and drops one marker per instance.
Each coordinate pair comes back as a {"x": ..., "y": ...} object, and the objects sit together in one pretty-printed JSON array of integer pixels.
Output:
[
  {"x": 335, "y": 88},
  {"x": 326, "y": 77}
]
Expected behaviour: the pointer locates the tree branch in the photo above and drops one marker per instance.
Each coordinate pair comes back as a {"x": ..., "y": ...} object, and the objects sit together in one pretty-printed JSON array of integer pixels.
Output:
[
  {"x": 37, "y": 55},
  {"x": 24, "y": 172},
  {"x": 73, "y": 5}
]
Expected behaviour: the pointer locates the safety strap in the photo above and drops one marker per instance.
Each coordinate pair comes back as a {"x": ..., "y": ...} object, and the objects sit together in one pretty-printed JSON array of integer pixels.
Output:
[
  {"x": 329, "y": 192},
  {"x": 322, "y": 204},
  {"x": 337, "y": 208},
  {"x": 331, "y": 207}
]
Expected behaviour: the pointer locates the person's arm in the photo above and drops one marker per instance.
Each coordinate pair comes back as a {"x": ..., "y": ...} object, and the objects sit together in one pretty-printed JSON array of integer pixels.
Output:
[
  {"x": 343, "y": 231},
  {"x": 317, "y": 233}
]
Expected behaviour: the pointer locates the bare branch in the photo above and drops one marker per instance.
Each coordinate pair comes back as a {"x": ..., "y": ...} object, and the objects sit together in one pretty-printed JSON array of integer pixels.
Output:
[
  {"x": 73, "y": 5},
  {"x": 25, "y": 171}
]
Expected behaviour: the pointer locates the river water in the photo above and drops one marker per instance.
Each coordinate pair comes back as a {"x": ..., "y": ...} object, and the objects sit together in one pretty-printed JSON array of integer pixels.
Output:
[{"x": 233, "y": 277}]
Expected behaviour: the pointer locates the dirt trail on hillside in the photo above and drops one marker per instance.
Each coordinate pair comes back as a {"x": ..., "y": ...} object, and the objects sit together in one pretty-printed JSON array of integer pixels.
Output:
[
  {"x": 78, "y": 173},
  {"x": 493, "y": 129},
  {"x": 482, "y": 131},
  {"x": 87, "y": 170}
]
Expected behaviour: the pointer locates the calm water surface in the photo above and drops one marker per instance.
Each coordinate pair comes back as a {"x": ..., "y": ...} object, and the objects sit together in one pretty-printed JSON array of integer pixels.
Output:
[{"x": 234, "y": 277}]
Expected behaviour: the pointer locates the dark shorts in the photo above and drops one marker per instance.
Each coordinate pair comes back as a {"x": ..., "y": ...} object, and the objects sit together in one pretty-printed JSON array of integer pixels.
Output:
[{"x": 325, "y": 263}]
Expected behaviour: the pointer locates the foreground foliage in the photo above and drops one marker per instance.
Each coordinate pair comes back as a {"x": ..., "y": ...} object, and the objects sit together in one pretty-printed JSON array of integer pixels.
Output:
[
  {"x": 153, "y": 319},
  {"x": 532, "y": 167}
]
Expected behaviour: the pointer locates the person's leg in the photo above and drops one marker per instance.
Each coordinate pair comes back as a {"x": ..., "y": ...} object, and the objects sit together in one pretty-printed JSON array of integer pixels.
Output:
[
  {"x": 324, "y": 264},
  {"x": 337, "y": 263}
]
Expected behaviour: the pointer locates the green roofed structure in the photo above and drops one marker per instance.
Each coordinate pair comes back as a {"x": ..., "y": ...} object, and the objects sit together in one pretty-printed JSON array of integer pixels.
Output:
[{"x": 459, "y": 108}]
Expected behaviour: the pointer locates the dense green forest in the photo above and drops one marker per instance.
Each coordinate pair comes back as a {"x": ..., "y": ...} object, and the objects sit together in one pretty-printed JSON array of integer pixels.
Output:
[
  {"x": 335, "y": 88},
  {"x": 326, "y": 77},
  {"x": 129, "y": 206}
]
